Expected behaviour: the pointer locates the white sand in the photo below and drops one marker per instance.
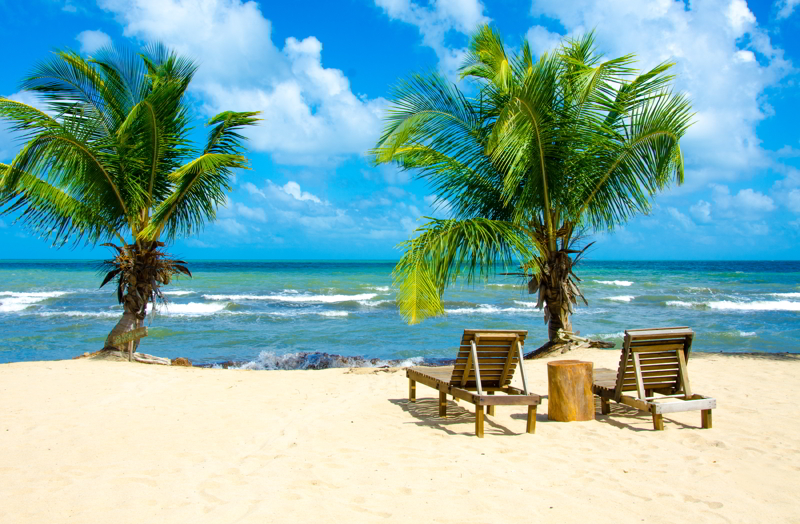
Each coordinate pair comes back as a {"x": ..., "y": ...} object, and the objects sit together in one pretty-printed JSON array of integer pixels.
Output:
[{"x": 112, "y": 442}]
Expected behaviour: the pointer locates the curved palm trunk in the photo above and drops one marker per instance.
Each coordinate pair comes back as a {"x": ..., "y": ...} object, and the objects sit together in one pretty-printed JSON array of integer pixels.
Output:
[
  {"x": 559, "y": 313},
  {"x": 128, "y": 322},
  {"x": 139, "y": 289},
  {"x": 558, "y": 292}
]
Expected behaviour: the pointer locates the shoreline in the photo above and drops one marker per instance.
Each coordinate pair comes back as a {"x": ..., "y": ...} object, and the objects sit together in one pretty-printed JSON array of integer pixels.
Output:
[
  {"x": 316, "y": 361},
  {"x": 103, "y": 441}
]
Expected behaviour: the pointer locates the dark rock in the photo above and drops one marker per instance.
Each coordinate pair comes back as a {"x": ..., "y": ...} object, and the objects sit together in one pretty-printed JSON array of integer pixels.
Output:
[{"x": 181, "y": 361}]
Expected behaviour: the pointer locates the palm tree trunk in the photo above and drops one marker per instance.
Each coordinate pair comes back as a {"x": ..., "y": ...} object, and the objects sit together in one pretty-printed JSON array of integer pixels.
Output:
[
  {"x": 128, "y": 322},
  {"x": 559, "y": 319}
]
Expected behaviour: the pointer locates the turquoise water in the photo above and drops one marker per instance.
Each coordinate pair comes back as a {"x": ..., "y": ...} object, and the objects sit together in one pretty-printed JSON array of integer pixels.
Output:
[{"x": 270, "y": 314}]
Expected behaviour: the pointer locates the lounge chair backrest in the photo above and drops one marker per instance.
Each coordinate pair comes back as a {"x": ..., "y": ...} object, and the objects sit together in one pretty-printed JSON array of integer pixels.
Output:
[
  {"x": 662, "y": 354},
  {"x": 497, "y": 358}
]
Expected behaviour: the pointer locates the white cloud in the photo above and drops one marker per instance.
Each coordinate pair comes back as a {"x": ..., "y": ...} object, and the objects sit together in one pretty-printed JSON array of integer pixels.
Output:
[
  {"x": 739, "y": 16},
  {"x": 682, "y": 219},
  {"x": 701, "y": 211},
  {"x": 786, "y": 7},
  {"x": 293, "y": 189},
  {"x": 311, "y": 116},
  {"x": 744, "y": 200},
  {"x": 435, "y": 20},
  {"x": 231, "y": 226},
  {"x": 91, "y": 41},
  {"x": 193, "y": 242},
  {"x": 744, "y": 205},
  {"x": 542, "y": 40},
  {"x": 253, "y": 190},
  {"x": 256, "y": 214},
  {"x": 724, "y": 62},
  {"x": 793, "y": 200},
  {"x": 396, "y": 192}
]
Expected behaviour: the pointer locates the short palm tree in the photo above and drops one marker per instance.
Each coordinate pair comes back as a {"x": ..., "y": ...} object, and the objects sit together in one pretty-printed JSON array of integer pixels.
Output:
[
  {"x": 544, "y": 151},
  {"x": 111, "y": 159}
]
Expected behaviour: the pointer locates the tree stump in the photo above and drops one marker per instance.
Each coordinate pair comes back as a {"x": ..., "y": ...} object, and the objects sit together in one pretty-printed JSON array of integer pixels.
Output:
[{"x": 569, "y": 389}]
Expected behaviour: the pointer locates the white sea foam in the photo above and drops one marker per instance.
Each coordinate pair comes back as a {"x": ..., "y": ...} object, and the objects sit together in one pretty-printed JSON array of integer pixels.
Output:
[
  {"x": 505, "y": 285},
  {"x": 624, "y": 283},
  {"x": 334, "y": 313},
  {"x": 747, "y": 333},
  {"x": 177, "y": 293},
  {"x": 682, "y": 303},
  {"x": 380, "y": 288},
  {"x": 301, "y": 313},
  {"x": 95, "y": 314},
  {"x": 486, "y": 309},
  {"x": 622, "y": 298},
  {"x": 11, "y": 301},
  {"x": 620, "y": 334},
  {"x": 319, "y": 299},
  {"x": 303, "y": 360},
  {"x": 525, "y": 304},
  {"x": 787, "y": 295},
  {"x": 190, "y": 309},
  {"x": 374, "y": 303},
  {"x": 758, "y": 305}
]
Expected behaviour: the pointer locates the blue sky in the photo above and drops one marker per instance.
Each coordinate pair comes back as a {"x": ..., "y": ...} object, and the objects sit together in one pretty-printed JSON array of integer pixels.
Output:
[{"x": 321, "y": 72}]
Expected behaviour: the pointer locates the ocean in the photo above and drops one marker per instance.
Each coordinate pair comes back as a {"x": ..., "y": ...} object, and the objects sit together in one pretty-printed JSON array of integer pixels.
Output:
[{"x": 292, "y": 314}]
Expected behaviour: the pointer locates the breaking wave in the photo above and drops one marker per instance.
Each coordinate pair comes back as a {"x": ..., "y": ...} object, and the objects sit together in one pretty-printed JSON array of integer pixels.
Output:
[
  {"x": 624, "y": 283},
  {"x": 622, "y": 298},
  {"x": 267, "y": 360},
  {"x": 758, "y": 305},
  {"x": 311, "y": 299},
  {"x": 11, "y": 301}
]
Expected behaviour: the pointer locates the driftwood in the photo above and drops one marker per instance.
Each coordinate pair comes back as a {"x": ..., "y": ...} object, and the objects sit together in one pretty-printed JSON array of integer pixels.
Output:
[
  {"x": 115, "y": 354},
  {"x": 566, "y": 341}
]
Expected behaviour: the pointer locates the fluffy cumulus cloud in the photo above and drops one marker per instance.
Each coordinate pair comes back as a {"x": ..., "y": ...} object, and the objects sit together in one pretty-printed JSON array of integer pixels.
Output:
[
  {"x": 300, "y": 216},
  {"x": 701, "y": 211},
  {"x": 744, "y": 205},
  {"x": 311, "y": 116},
  {"x": 9, "y": 141},
  {"x": 724, "y": 62},
  {"x": 786, "y": 7},
  {"x": 91, "y": 41},
  {"x": 680, "y": 218},
  {"x": 435, "y": 20},
  {"x": 793, "y": 200}
]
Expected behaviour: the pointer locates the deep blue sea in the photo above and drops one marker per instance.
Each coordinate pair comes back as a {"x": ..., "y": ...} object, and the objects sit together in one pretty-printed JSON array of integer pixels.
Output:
[{"x": 270, "y": 314}]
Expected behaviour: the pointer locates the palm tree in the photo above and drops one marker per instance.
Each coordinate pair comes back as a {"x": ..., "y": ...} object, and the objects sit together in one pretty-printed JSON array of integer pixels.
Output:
[
  {"x": 111, "y": 159},
  {"x": 544, "y": 151}
]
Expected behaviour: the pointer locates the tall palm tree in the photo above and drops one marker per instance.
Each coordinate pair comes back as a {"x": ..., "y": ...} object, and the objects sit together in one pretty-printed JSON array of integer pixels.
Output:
[
  {"x": 111, "y": 159},
  {"x": 544, "y": 151}
]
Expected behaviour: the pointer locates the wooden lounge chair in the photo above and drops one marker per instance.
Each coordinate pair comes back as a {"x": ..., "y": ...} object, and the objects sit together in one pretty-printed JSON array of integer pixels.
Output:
[
  {"x": 485, "y": 365},
  {"x": 653, "y": 362}
]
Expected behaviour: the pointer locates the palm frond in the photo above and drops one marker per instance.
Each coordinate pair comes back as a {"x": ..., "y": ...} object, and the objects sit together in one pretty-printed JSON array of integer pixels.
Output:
[{"x": 446, "y": 250}]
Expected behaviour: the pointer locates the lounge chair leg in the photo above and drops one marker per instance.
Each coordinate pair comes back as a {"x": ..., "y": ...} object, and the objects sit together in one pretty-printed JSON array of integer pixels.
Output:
[
  {"x": 490, "y": 409},
  {"x": 605, "y": 406},
  {"x": 705, "y": 417},
  {"x": 479, "y": 421},
  {"x": 531, "y": 419},
  {"x": 658, "y": 420},
  {"x": 412, "y": 391},
  {"x": 442, "y": 404}
]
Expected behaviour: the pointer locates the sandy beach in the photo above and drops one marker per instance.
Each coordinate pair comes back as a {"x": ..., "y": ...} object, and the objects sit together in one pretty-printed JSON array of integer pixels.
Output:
[{"x": 99, "y": 441}]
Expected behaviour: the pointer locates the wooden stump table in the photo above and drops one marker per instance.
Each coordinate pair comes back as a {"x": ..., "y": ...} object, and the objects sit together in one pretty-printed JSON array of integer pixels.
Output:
[{"x": 569, "y": 390}]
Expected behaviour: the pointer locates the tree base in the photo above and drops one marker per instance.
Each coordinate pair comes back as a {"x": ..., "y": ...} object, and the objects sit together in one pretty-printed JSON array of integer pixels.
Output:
[
  {"x": 116, "y": 355},
  {"x": 558, "y": 347}
]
